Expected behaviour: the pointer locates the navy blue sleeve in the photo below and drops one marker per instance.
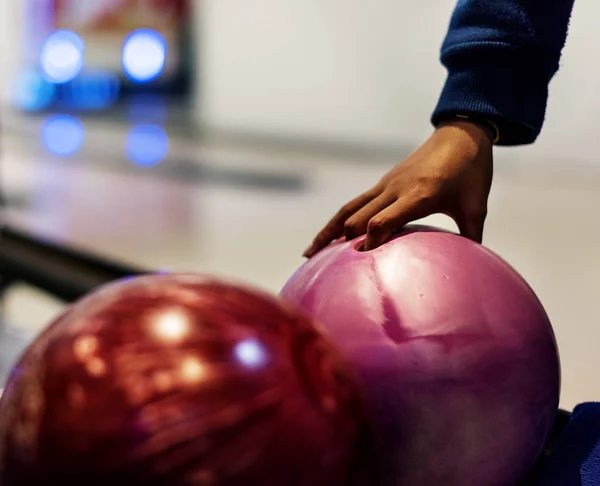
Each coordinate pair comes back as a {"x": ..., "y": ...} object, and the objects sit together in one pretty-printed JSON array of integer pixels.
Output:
[{"x": 500, "y": 56}]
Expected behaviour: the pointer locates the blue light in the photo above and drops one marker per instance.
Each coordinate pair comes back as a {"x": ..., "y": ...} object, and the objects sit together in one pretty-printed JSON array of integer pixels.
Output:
[
  {"x": 144, "y": 55},
  {"x": 147, "y": 108},
  {"x": 61, "y": 57},
  {"x": 30, "y": 92},
  {"x": 62, "y": 135},
  {"x": 251, "y": 353},
  {"x": 147, "y": 145},
  {"x": 95, "y": 90}
]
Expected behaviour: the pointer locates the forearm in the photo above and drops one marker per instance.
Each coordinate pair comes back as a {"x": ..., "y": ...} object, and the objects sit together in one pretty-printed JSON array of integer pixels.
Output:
[{"x": 500, "y": 56}]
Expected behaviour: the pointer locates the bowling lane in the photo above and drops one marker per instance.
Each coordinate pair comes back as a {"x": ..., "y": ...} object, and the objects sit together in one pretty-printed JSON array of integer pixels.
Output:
[{"x": 248, "y": 212}]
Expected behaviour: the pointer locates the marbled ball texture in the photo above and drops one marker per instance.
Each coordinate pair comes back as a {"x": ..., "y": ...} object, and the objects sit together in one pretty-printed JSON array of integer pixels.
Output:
[{"x": 180, "y": 380}]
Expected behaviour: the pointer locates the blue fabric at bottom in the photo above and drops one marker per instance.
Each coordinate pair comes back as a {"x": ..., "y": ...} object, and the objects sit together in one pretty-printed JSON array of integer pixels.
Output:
[{"x": 575, "y": 461}]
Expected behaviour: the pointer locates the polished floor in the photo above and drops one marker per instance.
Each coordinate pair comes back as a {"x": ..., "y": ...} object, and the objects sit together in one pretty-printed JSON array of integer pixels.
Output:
[{"x": 248, "y": 211}]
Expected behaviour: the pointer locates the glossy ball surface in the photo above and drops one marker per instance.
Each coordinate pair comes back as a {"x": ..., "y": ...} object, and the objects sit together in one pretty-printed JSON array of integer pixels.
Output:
[
  {"x": 180, "y": 380},
  {"x": 456, "y": 353}
]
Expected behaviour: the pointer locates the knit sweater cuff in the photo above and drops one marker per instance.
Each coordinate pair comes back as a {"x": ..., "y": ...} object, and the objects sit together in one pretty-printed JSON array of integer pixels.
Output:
[{"x": 501, "y": 92}]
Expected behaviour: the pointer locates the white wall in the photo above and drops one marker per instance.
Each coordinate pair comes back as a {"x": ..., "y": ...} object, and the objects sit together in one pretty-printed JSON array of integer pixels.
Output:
[
  {"x": 347, "y": 69},
  {"x": 350, "y": 70},
  {"x": 10, "y": 40},
  {"x": 356, "y": 71},
  {"x": 573, "y": 119}
]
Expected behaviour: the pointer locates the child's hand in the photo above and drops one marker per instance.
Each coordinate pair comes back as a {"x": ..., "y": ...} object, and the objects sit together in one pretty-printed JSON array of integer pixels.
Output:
[{"x": 451, "y": 173}]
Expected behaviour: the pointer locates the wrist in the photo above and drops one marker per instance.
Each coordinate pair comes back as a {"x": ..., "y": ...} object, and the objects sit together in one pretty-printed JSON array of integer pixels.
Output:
[
  {"x": 475, "y": 131},
  {"x": 474, "y": 124}
]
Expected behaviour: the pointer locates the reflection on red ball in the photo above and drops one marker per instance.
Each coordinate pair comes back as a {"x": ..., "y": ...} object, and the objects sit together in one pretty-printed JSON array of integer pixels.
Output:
[{"x": 180, "y": 380}]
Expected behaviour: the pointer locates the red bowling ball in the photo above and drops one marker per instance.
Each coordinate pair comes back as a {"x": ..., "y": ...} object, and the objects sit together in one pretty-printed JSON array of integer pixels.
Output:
[
  {"x": 456, "y": 354},
  {"x": 180, "y": 380}
]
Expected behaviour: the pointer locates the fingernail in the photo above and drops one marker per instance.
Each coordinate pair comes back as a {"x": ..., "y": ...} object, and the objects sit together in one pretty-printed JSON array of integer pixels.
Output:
[{"x": 308, "y": 252}]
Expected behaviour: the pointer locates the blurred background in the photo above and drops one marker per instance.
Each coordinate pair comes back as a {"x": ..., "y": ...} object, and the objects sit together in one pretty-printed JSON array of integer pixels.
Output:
[{"x": 220, "y": 135}]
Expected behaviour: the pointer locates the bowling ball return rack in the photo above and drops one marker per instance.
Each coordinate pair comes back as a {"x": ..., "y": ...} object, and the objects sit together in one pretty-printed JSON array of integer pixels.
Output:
[
  {"x": 68, "y": 274},
  {"x": 65, "y": 273}
]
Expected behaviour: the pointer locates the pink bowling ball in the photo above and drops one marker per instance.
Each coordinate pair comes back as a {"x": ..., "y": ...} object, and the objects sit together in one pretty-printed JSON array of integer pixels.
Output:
[{"x": 455, "y": 351}]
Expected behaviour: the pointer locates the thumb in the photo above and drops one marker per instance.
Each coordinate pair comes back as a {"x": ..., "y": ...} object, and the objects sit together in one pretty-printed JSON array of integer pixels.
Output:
[{"x": 471, "y": 224}]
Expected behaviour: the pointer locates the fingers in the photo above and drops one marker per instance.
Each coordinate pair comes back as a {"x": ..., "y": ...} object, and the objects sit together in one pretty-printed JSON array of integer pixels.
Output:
[
  {"x": 381, "y": 226},
  {"x": 356, "y": 225},
  {"x": 381, "y": 214},
  {"x": 380, "y": 219},
  {"x": 471, "y": 224},
  {"x": 335, "y": 228},
  {"x": 394, "y": 217}
]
